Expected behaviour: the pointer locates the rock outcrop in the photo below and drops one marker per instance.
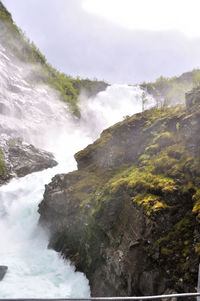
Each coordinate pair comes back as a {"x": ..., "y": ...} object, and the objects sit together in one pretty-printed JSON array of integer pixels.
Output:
[
  {"x": 3, "y": 271},
  {"x": 193, "y": 98},
  {"x": 171, "y": 91},
  {"x": 129, "y": 216},
  {"x": 19, "y": 159}
]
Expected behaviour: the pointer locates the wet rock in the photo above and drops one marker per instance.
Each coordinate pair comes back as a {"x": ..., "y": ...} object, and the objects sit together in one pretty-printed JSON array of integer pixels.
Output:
[
  {"x": 3, "y": 271},
  {"x": 192, "y": 98},
  {"x": 128, "y": 217},
  {"x": 19, "y": 158},
  {"x": 25, "y": 158},
  {"x": 151, "y": 282}
]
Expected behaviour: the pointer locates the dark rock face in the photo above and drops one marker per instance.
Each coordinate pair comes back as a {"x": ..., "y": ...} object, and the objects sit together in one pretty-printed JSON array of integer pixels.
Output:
[
  {"x": 129, "y": 217},
  {"x": 93, "y": 88},
  {"x": 192, "y": 98},
  {"x": 21, "y": 158},
  {"x": 3, "y": 271},
  {"x": 111, "y": 150},
  {"x": 26, "y": 158},
  {"x": 113, "y": 263}
]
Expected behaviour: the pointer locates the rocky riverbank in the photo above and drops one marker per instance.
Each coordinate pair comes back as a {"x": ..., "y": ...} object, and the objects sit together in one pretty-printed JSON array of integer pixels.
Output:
[
  {"x": 18, "y": 159},
  {"x": 3, "y": 271}
]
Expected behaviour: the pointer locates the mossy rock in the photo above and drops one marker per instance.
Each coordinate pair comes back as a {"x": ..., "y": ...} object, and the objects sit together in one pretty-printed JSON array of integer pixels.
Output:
[
  {"x": 2, "y": 164},
  {"x": 136, "y": 194}
]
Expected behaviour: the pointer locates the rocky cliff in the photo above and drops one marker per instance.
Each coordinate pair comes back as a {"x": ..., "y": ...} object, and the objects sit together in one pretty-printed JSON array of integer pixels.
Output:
[{"x": 129, "y": 216}]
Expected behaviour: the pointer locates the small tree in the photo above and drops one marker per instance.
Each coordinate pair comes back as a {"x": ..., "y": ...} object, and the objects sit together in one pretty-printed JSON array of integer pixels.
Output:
[
  {"x": 144, "y": 100},
  {"x": 196, "y": 79}
]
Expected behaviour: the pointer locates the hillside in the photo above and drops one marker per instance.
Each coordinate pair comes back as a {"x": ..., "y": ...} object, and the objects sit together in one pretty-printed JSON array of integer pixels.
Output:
[
  {"x": 23, "y": 71},
  {"x": 15, "y": 41},
  {"x": 171, "y": 91},
  {"x": 129, "y": 217}
]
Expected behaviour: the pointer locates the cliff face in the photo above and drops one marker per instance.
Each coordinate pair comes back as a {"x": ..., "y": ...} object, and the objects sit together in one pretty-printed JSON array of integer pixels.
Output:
[{"x": 129, "y": 216}]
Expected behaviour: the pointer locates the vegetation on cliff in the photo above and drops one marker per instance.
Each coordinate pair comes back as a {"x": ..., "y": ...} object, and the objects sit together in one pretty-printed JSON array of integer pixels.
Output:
[
  {"x": 2, "y": 164},
  {"x": 13, "y": 39},
  {"x": 135, "y": 198},
  {"x": 171, "y": 91}
]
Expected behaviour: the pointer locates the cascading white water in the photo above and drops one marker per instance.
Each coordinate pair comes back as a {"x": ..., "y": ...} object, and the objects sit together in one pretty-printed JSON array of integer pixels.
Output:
[
  {"x": 34, "y": 271},
  {"x": 111, "y": 106},
  {"x": 36, "y": 115}
]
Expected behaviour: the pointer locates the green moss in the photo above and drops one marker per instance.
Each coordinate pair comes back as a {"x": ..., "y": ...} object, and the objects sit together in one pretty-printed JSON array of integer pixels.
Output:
[
  {"x": 158, "y": 181},
  {"x": 157, "y": 174},
  {"x": 143, "y": 187},
  {"x": 151, "y": 203},
  {"x": 143, "y": 160},
  {"x": 177, "y": 126},
  {"x": 2, "y": 163},
  {"x": 175, "y": 247},
  {"x": 163, "y": 163},
  {"x": 197, "y": 249},
  {"x": 164, "y": 139},
  {"x": 196, "y": 199},
  {"x": 152, "y": 149}
]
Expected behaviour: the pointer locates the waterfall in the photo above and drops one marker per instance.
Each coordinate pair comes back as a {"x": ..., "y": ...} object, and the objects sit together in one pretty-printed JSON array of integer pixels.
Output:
[{"x": 35, "y": 114}]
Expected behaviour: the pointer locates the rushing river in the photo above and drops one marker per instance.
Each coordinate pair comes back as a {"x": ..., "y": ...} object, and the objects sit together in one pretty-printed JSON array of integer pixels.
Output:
[{"x": 36, "y": 115}]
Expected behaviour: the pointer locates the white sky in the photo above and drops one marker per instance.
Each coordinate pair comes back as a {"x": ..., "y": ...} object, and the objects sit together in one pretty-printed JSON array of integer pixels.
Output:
[
  {"x": 120, "y": 41},
  {"x": 154, "y": 15}
]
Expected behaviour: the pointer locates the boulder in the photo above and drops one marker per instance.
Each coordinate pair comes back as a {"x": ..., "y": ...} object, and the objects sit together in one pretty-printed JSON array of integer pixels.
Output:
[
  {"x": 18, "y": 158},
  {"x": 3, "y": 271}
]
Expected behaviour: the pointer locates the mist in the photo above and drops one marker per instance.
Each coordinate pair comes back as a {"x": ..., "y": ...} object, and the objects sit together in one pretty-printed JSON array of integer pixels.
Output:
[
  {"x": 35, "y": 112},
  {"x": 111, "y": 106}
]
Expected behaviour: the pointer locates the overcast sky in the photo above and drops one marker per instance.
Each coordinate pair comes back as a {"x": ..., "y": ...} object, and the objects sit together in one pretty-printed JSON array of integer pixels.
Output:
[{"x": 123, "y": 41}]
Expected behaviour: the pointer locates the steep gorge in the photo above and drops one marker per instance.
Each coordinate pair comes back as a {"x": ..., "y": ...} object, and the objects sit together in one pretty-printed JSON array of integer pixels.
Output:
[{"x": 129, "y": 216}]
